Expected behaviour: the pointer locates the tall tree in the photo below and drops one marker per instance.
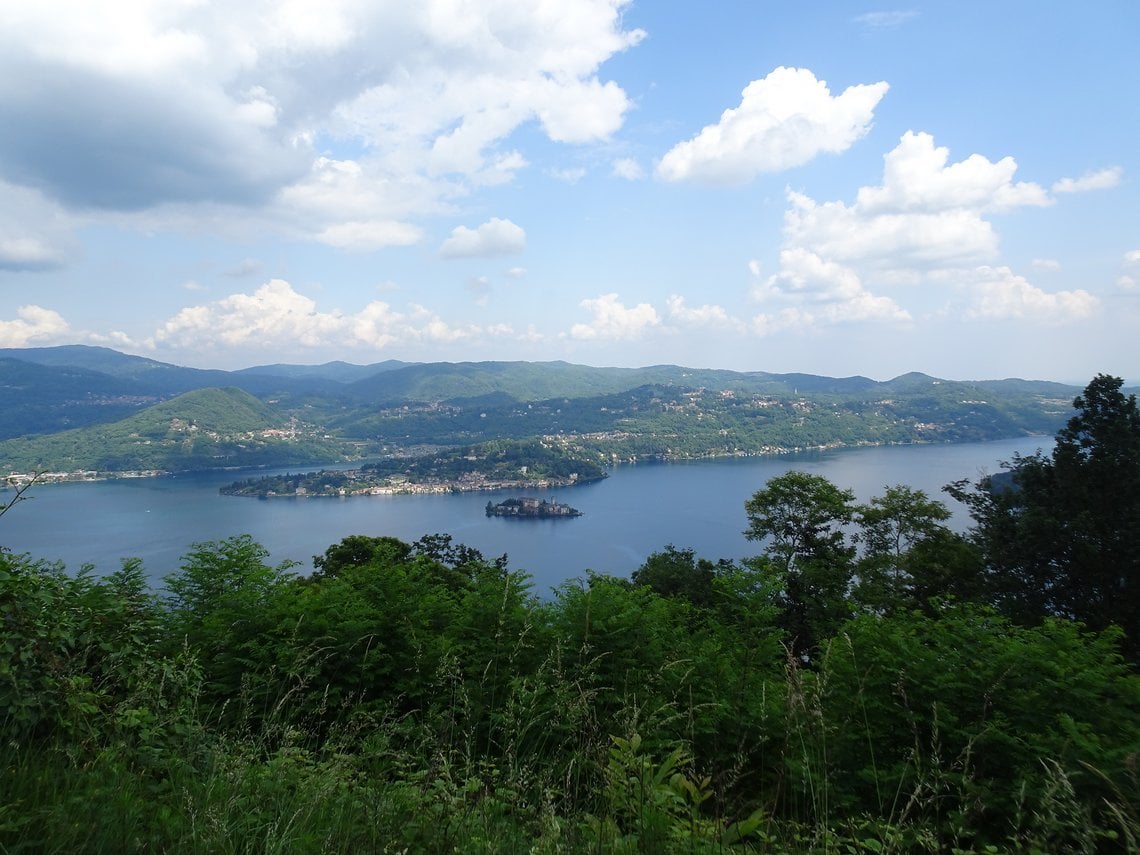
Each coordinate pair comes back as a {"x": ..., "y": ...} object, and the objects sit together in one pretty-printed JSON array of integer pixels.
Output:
[
  {"x": 909, "y": 555},
  {"x": 803, "y": 518},
  {"x": 1061, "y": 533}
]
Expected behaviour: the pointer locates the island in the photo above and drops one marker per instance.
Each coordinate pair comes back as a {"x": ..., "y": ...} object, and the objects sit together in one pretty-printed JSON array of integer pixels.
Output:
[{"x": 530, "y": 508}]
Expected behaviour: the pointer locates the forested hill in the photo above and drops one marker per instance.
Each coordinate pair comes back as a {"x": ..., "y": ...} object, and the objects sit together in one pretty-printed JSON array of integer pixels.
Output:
[{"x": 81, "y": 407}]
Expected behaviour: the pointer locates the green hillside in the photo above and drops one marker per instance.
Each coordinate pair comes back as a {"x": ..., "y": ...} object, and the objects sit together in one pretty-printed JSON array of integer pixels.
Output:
[
  {"x": 203, "y": 429},
  {"x": 292, "y": 415},
  {"x": 43, "y": 399}
]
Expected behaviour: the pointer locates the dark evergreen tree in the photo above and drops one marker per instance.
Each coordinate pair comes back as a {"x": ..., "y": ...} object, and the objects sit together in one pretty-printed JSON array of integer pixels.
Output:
[{"x": 1061, "y": 533}]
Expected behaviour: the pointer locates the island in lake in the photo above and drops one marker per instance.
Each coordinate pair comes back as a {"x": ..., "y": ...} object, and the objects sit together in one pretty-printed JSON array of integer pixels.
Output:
[{"x": 531, "y": 509}]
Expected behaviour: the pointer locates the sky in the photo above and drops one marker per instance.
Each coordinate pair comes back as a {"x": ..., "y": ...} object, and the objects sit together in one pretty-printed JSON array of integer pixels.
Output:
[{"x": 759, "y": 185}]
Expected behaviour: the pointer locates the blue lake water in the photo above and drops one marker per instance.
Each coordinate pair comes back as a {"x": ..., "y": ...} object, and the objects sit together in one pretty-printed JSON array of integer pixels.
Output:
[{"x": 636, "y": 511}]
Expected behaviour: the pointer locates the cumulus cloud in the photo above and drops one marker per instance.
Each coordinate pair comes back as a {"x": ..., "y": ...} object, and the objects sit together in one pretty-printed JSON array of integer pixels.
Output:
[
  {"x": 706, "y": 315},
  {"x": 824, "y": 291},
  {"x": 1132, "y": 257},
  {"x": 783, "y": 120},
  {"x": 1050, "y": 264},
  {"x": 331, "y": 119},
  {"x": 1103, "y": 179},
  {"x": 275, "y": 315},
  {"x": 1001, "y": 294},
  {"x": 613, "y": 320},
  {"x": 924, "y": 226},
  {"x": 927, "y": 212},
  {"x": 917, "y": 176},
  {"x": 34, "y": 325},
  {"x": 494, "y": 237}
]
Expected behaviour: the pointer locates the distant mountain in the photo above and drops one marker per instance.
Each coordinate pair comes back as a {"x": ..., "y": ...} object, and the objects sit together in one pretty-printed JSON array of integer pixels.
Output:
[
  {"x": 150, "y": 375},
  {"x": 340, "y": 372},
  {"x": 136, "y": 410},
  {"x": 45, "y": 399},
  {"x": 47, "y": 389}
]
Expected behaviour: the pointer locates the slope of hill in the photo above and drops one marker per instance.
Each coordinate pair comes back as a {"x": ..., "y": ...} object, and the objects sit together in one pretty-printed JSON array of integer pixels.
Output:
[
  {"x": 292, "y": 414},
  {"x": 44, "y": 399},
  {"x": 151, "y": 375},
  {"x": 203, "y": 429}
]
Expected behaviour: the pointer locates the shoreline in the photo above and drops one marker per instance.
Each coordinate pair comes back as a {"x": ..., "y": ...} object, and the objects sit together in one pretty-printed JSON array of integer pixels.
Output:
[{"x": 16, "y": 480}]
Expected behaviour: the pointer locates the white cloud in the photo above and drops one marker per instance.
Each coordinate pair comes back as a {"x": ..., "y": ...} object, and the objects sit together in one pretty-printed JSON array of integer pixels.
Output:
[
  {"x": 272, "y": 314},
  {"x": 369, "y": 235},
  {"x": 333, "y": 120},
  {"x": 35, "y": 326},
  {"x": 27, "y": 253},
  {"x": 277, "y": 316},
  {"x": 516, "y": 272},
  {"x": 628, "y": 168},
  {"x": 824, "y": 292},
  {"x": 1103, "y": 179},
  {"x": 783, "y": 120},
  {"x": 341, "y": 204},
  {"x": 706, "y": 315},
  {"x": 924, "y": 227},
  {"x": 1000, "y": 294},
  {"x": 1126, "y": 283},
  {"x": 1132, "y": 257},
  {"x": 926, "y": 213},
  {"x": 917, "y": 176},
  {"x": 494, "y": 237},
  {"x": 765, "y": 324},
  {"x": 1049, "y": 264},
  {"x": 612, "y": 320}
]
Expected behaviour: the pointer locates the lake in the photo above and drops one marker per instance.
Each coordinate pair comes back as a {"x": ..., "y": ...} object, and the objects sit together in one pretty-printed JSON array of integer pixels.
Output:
[{"x": 638, "y": 510}]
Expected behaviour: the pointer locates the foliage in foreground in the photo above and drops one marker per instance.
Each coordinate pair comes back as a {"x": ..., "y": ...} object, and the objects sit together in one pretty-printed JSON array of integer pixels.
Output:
[
  {"x": 856, "y": 687},
  {"x": 406, "y": 703}
]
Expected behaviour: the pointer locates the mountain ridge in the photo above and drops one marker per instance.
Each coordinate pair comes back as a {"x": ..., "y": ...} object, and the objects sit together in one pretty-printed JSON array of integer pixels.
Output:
[{"x": 82, "y": 407}]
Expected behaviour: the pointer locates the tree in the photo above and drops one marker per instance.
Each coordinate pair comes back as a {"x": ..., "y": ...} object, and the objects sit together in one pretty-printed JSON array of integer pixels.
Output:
[
  {"x": 1060, "y": 534},
  {"x": 679, "y": 573},
  {"x": 803, "y": 516},
  {"x": 909, "y": 555},
  {"x": 357, "y": 550}
]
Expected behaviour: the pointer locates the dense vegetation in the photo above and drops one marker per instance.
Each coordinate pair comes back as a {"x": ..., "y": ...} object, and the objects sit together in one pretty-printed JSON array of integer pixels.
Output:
[
  {"x": 203, "y": 429},
  {"x": 125, "y": 413},
  {"x": 488, "y": 465},
  {"x": 870, "y": 681}
]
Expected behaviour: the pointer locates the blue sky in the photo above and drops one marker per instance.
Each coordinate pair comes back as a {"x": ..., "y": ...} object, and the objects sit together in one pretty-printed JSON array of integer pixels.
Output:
[{"x": 823, "y": 187}]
